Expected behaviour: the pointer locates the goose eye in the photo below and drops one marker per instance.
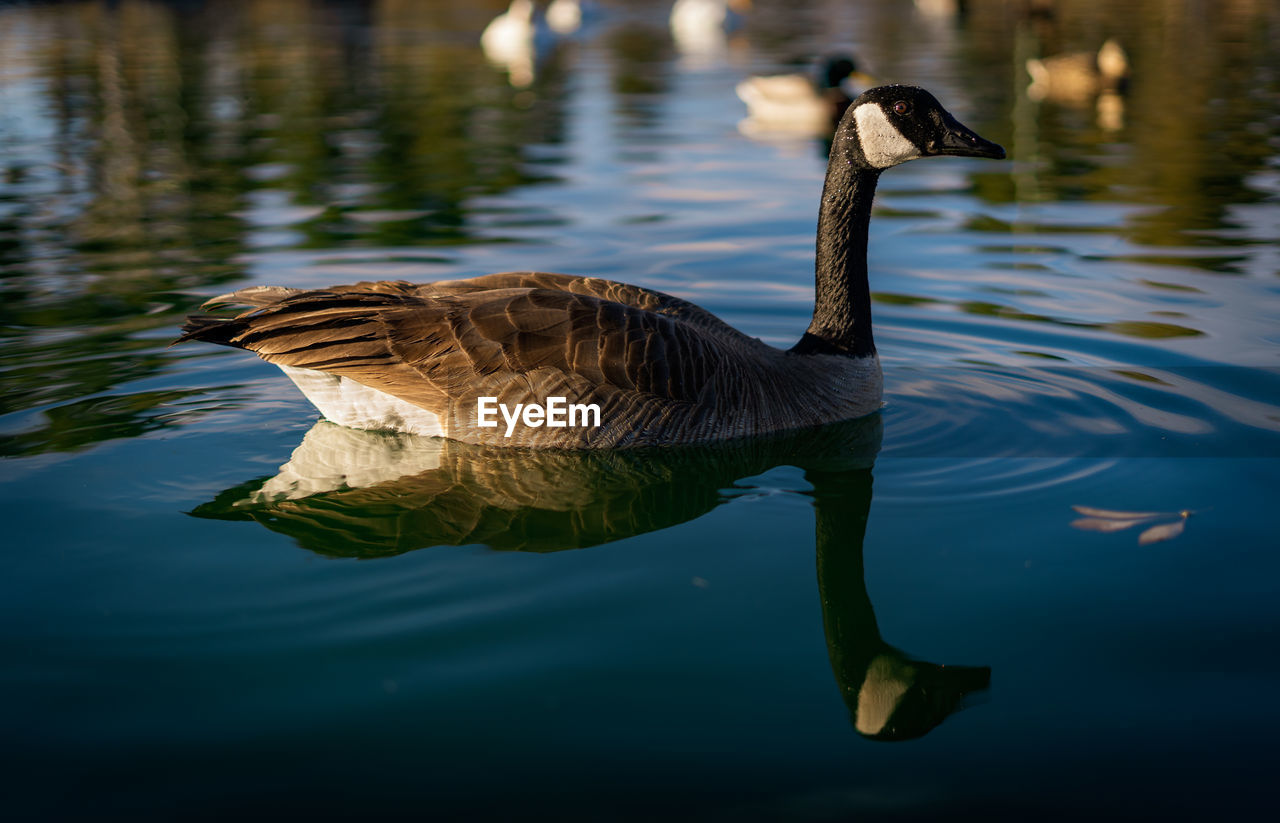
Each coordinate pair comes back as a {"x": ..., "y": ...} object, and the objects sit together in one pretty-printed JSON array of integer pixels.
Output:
[{"x": 902, "y": 107}]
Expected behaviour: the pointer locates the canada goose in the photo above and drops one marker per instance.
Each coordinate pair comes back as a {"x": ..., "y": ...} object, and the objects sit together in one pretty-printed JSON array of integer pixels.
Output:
[
  {"x": 1079, "y": 76},
  {"x": 516, "y": 39},
  {"x": 797, "y": 103},
  {"x": 655, "y": 369}
]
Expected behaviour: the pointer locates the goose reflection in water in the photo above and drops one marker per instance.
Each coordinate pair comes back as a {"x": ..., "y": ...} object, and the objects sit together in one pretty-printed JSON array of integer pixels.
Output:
[{"x": 364, "y": 494}]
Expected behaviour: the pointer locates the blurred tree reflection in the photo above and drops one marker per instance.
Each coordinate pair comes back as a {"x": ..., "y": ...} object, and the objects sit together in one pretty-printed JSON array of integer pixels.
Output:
[{"x": 137, "y": 140}]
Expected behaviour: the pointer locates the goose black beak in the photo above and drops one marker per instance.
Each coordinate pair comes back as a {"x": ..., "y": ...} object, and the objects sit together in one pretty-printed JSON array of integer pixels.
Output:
[{"x": 960, "y": 141}]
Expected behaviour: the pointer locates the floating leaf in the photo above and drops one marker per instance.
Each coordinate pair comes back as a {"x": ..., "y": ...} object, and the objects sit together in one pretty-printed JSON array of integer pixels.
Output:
[
  {"x": 1165, "y": 531},
  {"x": 1099, "y": 524},
  {"x": 1089, "y": 511}
]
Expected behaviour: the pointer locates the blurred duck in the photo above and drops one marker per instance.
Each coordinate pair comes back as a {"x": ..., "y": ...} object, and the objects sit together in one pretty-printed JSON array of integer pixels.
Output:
[
  {"x": 941, "y": 9},
  {"x": 700, "y": 26},
  {"x": 569, "y": 16},
  {"x": 1078, "y": 76},
  {"x": 517, "y": 39},
  {"x": 799, "y": 103}
]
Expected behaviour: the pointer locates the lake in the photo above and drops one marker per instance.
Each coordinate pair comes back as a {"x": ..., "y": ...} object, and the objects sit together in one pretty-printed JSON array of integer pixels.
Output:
[{"x": 1041, "y": 581}]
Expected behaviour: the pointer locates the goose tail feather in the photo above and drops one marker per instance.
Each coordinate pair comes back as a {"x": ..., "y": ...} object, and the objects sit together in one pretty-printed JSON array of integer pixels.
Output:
[
  {"x": 214, "y": 329},
  {"x": 251, "y": 296},
  {"x": 210, "y": 329}
]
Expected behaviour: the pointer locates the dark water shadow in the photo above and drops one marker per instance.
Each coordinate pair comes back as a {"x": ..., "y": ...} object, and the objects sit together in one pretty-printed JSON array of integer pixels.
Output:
[{"x": 358, "y": 494}]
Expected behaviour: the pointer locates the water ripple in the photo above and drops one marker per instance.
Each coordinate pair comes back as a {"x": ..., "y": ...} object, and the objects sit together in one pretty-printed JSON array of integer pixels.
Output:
[{"x": 994, "y": 411}]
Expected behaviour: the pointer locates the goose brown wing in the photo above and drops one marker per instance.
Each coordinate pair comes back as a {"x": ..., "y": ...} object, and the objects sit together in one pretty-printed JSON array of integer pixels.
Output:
[
  {"x": 457, "y": 338},
  {"x": 434, "y": 344},
  {"x": 608, "y": 290}
]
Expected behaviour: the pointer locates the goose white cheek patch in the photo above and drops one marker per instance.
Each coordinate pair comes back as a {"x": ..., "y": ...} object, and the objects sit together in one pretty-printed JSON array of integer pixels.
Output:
[{"x": 882, "y": 144}]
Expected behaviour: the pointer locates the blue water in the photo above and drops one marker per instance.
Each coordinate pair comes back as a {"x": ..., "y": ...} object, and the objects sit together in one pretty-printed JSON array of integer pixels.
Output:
[{"x": 440, "y": 631}]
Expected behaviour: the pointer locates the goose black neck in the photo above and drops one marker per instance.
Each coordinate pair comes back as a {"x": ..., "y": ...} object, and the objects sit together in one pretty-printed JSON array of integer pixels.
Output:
[{"x": 842, "y": 302}]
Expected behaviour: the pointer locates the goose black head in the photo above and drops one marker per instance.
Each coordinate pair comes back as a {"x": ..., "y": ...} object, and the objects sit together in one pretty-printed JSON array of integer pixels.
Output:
[
  {"x": 902, "y": 699},
  {"x": 889, "y": 125}
]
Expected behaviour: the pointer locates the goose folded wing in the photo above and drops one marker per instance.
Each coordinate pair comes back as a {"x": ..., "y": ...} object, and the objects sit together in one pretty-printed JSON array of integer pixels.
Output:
[
  {"x": 608, "y": 290},
  {"x": 454, "y": 340},
  {"x": 435, "y": 347}
]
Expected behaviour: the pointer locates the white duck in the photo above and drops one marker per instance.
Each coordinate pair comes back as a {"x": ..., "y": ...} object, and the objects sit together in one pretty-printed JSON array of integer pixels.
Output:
[
  {"x": 517, "y": 39},
  {"x": 569, "y": 16},
  {"x": 699, "y": 26}
]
